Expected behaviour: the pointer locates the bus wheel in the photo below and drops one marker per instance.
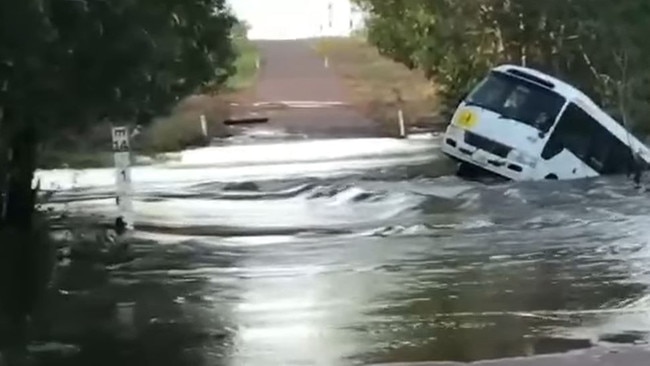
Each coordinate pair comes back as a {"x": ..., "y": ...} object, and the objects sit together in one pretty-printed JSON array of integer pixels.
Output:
[
  {"x": 551, "y": 177},
  {"x": 469, "y": 171}
]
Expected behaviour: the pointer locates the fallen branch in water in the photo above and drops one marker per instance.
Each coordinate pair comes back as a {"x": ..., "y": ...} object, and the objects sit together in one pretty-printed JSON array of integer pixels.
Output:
[{"x": 248, "y": 120}]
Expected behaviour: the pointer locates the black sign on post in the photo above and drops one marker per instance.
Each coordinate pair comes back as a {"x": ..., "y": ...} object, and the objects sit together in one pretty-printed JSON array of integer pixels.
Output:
[{"x": 121, "y": 139}]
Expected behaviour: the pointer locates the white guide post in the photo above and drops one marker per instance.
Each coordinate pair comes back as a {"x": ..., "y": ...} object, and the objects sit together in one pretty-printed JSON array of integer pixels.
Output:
[
  {"x": 400, "y": 113},
  {"x": 204, "y": 126},
  {"x": 122, "y": 157},
  {"x": 400, "y": 119}
]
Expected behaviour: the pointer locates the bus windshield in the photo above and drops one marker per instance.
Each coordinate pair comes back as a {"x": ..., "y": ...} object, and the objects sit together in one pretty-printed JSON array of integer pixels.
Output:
[{"x": 517, "y": 99}]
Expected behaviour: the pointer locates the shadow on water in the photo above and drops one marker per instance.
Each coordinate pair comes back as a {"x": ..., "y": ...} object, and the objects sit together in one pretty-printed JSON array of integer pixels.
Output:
[
  {"x": 98, "y": 316},
  {"x": 377, "y": 265}
]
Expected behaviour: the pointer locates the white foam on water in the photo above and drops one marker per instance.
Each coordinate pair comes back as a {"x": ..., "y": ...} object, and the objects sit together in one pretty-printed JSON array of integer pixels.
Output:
[
  {"x": 296, "y": 212},
  {"x": 422, "y": 136},
  {"x": 318, "y": 158},
  {"x": 302, "y": 151}
]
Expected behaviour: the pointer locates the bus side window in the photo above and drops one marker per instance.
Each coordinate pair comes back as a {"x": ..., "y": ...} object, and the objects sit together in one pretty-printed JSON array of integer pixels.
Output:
[
  {"x": 602, "y": 143},
  {"x": 590, "y": 141},
  {"x": 617, "y": 157},
  {"x": 602, "y": 151},
  {"x": 573, "y": 132},
  {"x": 608, "y": 154},
  {"x": 553, "y": 147}
]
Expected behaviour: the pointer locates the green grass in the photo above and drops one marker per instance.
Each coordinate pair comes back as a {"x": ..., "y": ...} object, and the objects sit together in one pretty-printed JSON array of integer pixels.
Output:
[
  {"x": 180, "y": 130},
  {"x": 375, "y": 81},
  {"x": 246, "y": 65}
]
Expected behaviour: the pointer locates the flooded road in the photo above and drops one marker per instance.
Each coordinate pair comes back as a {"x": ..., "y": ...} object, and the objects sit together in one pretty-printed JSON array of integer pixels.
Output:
[{"x": 353, "y": 251}]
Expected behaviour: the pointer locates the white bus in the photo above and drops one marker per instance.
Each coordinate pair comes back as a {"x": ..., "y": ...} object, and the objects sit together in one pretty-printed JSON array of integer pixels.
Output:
[{"x": 522, "y": 124}]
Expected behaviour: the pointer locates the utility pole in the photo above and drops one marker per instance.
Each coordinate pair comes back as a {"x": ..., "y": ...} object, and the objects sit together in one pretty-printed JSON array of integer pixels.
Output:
[{"x": 330, "y": 15}]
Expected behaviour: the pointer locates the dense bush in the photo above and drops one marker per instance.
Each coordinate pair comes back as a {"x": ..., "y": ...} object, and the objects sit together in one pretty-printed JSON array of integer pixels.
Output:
[
  {"x": 66, "y": 66},
  {"x": 182, "y": 128},
  {"x": 597, "y": 45}
]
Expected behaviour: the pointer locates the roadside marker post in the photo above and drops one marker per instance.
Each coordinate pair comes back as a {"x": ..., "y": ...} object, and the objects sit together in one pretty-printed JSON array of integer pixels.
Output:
[
  {"x": 122, "y": 158},
  {"x": 400, "y": 118},
  {"x": 204, "y": 126},
  {"x": 400, "y": 113}
]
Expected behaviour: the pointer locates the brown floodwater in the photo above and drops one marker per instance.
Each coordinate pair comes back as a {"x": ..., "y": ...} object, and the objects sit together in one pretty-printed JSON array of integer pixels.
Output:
[{"x": 341, "y": 252}]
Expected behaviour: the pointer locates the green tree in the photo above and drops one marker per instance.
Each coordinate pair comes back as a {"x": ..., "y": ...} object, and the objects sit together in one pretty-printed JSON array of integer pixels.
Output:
[
  {"x": 596, "y": 45},
  {"x": 66, "y": 64}
]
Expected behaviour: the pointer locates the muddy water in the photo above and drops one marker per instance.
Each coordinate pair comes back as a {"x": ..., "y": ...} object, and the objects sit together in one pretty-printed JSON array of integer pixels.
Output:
[{"x": 354, "y": 251}]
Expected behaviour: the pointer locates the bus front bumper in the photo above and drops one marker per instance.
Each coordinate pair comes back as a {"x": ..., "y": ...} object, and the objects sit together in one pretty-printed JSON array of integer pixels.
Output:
[{"x": 454, "y": 146}]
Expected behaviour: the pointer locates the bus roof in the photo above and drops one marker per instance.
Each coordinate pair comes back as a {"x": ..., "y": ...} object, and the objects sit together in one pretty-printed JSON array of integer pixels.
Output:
[
  {"x": 559, "y": 86},
  {"x": 579, "y": 98}
]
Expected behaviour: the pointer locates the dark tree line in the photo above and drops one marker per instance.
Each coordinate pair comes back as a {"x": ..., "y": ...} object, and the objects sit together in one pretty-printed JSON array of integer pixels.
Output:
[
  {"x": 597, "y": 45},
  {"x": 66, "y": 64}
]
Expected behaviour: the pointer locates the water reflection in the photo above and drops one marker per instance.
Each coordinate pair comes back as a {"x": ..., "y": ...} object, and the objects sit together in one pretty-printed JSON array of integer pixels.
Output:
[{"x": 302, "y": 318}]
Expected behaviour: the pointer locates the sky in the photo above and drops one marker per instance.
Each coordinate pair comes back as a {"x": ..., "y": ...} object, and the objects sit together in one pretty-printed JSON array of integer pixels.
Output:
[{"x": 288, "y": 19}]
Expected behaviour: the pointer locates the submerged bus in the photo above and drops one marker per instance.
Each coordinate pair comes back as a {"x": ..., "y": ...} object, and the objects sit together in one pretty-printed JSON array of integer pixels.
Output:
[{"x": 521, "y": 124}]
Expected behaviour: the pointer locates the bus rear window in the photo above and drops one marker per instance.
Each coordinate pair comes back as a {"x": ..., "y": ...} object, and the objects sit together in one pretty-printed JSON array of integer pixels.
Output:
[{"x": 518, "y": 100}]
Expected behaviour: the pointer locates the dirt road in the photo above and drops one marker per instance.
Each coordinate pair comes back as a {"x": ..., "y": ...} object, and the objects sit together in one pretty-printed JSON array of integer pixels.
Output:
[{"x": 292, "y": 74}]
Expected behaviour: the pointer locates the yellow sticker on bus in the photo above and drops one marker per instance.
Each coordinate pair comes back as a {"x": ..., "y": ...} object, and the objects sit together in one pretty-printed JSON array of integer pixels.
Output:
[{"x": 466, "y": 119}]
